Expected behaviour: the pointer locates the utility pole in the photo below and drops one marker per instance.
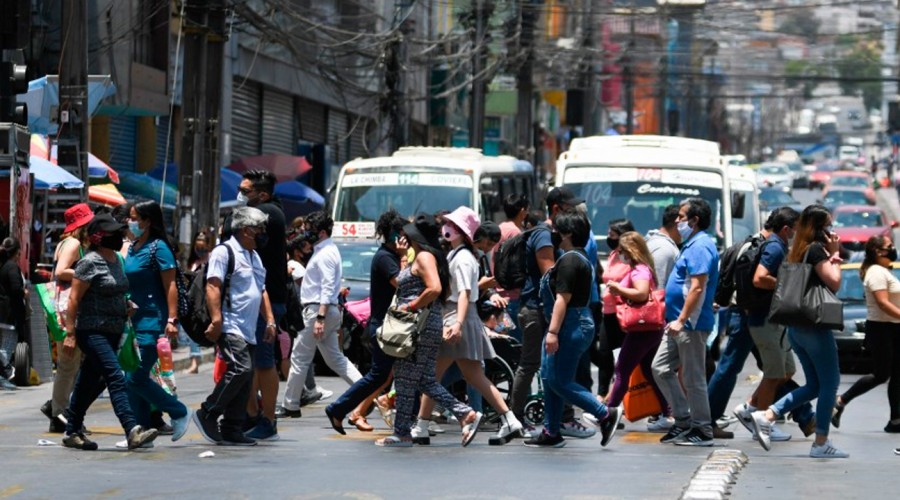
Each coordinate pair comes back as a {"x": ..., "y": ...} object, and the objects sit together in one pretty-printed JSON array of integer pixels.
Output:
[
  {"x": 206, "y": 212},
  {"x": 628, "y": 74},
  {"x": 590, "y": 78},
  {"x": 525, "y": 82},
  {"x": 194, "y": 26},
  {"x": 395, "y": 78},
  {"x": 483, "y": 11},
  {"x": 72, "y": 148}
]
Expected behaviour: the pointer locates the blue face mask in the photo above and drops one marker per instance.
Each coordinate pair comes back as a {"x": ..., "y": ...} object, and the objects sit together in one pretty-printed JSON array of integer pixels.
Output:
[
  {"x": 242, "y": 200},
  {"x": 135, "y": 228},
  {"x": 685, "y": 230}
]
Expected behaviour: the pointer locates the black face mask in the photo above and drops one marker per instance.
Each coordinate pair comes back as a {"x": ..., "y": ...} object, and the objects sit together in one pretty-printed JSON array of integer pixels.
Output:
[
  {"x": 305, "y": 256},
  {"x": 892, "y": 254},
  {"x": 612, "y": 243},
  {"x": 112, "y": 241},
  {"x": 262, "y": 239},
  {"x": 556, "y": 239}
]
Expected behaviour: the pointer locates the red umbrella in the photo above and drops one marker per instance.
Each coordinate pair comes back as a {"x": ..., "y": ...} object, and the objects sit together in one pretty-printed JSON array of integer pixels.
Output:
[{"x": 285, "y": 167}]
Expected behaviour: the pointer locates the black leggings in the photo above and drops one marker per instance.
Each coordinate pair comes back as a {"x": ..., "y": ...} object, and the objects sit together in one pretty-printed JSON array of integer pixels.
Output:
[
  {"x": 883, "y": 342},
  {"x": 611, "y": 337}
]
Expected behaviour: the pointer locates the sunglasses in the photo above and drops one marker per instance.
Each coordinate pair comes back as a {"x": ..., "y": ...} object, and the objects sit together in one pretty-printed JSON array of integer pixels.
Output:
[{"x": 245, "y": 191}]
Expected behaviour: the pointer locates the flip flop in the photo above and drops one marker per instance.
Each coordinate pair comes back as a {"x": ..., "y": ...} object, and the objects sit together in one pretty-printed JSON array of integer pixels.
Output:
[
  {"x": 393, "y": 441},
  {"x": 336, "y": 424},
  {"x": 469, "y": 430}
]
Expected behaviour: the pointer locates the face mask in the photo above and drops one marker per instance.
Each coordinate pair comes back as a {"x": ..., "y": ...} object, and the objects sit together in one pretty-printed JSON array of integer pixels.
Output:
[
  {"x": 262, "y": 239},
  {"x": 306, "y": 256},
  {"x": 242, "y": 200},
  {"x": 612, "y": 243},
  {"x": 892, "y": 254},
  {"x": 556, "y": 239},
  {"x": 450, "y": 233},
  {"x": 201, "y": 252},
  {"x": 685, "y": 230},
  {"x": 135, "y": 228},
  {"x": 311, "y": 237},
  {"x": 112, "y": 241}
]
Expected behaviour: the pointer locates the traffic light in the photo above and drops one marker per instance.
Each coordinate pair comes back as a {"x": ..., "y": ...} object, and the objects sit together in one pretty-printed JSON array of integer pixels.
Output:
[{"x": 13, "y": 80}]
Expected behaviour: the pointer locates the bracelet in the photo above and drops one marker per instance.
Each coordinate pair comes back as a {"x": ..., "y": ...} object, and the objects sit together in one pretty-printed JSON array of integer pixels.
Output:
[
  {"x": 271, "y": 325},
  {"x": 552, "y": 333}
]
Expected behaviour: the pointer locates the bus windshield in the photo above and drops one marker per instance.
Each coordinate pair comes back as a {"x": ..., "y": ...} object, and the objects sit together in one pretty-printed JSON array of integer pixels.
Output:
[
  {"x": 642, "y": 194},
  {"x": 365, "y": 196}
]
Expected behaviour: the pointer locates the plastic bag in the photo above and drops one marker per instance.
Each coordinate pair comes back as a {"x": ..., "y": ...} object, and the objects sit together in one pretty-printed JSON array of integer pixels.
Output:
[{"x": 129, "y": 354}]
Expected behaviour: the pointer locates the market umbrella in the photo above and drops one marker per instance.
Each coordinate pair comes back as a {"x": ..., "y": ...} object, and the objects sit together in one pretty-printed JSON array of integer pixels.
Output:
[
  {"x": 48, "y": 175},
  {"x": 298, "y": 198},
  {"x": 228, "y": 186},
  {"x": 106, "y": 194},
  {"x": 43, "y": 100},
  {"x": 285, "y": 167},
  {"x": 98, "y": 171},
  {"x": 146, "y": 187},
  {"x": 40, "y": 146}
]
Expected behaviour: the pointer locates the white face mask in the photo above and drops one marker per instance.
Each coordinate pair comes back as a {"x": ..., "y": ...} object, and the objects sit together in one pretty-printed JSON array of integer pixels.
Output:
[
  {"x": 685, "y": 230},
  {"x": 242, "y": 200}
]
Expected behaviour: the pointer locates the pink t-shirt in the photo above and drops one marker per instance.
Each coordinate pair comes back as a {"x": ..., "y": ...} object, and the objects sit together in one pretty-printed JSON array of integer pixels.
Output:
[
  {"x": 507, "y": 230},
  {"x": 639, "y": 273},
  {"x": 615, "y": 270}
]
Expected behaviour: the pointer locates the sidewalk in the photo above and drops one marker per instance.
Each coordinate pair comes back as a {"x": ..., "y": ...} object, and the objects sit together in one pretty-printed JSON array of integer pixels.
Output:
[{"x": 181, "y": 357}]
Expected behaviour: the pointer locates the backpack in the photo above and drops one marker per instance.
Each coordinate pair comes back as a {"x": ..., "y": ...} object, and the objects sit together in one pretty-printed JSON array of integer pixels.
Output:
[
  {"x": 292, "y": 321},
  {"x": 181, "y": 282},
  {"x": 725, "y": 287},
  {"x": 197, "y": 319},
  {"x": 510, "y": 268},
  {"x": 750, "y": 297}
]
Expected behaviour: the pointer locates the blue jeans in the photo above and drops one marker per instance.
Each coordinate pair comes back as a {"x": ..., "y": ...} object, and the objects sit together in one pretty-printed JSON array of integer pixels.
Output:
[
  {"x": 817, "y": 352},
  {"x": 101, "y": 364},
  {"x": 558, "y": 370},
  {"x": 143, "y": 392},
  {"x": 512, "y": 308},
  {"x": 731, "y": 362},
  {"x": 183, "y": 339},
  {"x": 382, "y": 364}
]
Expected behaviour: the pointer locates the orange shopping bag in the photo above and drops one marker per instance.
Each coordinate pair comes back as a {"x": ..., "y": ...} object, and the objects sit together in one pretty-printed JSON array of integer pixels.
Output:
[{"x": 640, "y": 401}]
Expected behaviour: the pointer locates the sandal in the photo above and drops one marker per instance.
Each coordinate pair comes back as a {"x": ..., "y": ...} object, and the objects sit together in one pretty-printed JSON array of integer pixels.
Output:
[
  {"x": 470, "y": 429},
  {"x": 385, "y": 411},
  {"x": 360, "y": 422},
  {"x": 394, "y": 441}
]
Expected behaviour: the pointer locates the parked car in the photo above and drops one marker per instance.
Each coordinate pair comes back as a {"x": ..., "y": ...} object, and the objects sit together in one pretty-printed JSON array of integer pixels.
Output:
[
  {"x": 801, "y": 176},
  {"x": 856, "y": 180},
  {"x": 822, "y": 173},
  {"x": 855, "y": 224},
  {"x": 772, "y": 198},
  {"x": 846, "y": 196},
  {"x": 853, "y": 355},
  {"x": 774, "y": 175}
]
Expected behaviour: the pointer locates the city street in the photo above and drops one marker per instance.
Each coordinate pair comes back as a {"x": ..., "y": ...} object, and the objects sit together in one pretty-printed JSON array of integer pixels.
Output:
[{"x": 311, "y": 461}]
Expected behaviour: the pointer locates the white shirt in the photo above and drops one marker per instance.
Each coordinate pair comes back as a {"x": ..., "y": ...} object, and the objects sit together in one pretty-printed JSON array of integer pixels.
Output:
[
  {"x": 463, "y": 274},
  {"x": 248, "y": 281},
  {"x": 321, "y": 284}
]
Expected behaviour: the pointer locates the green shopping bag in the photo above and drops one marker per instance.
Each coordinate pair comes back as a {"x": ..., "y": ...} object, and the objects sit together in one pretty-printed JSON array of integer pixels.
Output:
[
  {"x": 47, "y": 294},
  {"x": 129, "y": 356}
]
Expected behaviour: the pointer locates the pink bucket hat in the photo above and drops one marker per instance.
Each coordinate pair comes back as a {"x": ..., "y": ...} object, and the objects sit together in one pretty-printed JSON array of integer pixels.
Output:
[{"x": 466, "y": 220}]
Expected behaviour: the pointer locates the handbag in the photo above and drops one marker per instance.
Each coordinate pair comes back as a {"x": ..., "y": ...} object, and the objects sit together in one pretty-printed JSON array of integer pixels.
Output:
[
  {"x": 640, "y": 401},
  {"x": 398, "y": 334},
  {"x": 801, "y": 299},
  {"x": 822, "y": 307},
  {"x": 649, "y": 316}
]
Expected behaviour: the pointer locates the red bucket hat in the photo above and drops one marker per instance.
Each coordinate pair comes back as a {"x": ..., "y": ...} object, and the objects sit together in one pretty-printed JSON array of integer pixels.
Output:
[{"x": 78, "y": 216}]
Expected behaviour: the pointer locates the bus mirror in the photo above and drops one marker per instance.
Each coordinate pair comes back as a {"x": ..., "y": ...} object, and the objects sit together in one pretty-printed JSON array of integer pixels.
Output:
[{"x": 738, "y": 200}]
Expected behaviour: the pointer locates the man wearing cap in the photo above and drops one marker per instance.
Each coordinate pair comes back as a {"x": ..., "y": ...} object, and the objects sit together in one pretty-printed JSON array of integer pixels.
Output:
[
  {"x": 233, "y": 326},
  {"x": 321, "y": 315},
  {"x": 68, "y": 252},
  {"x": 539, "y": 258}
]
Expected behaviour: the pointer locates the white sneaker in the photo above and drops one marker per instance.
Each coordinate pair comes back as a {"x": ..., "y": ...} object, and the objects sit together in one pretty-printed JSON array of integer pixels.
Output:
[
  {"x": 576, "y": 429},
  {"x": 827, "y": 450},
  {"x": 434, "y": 428},
  {"x": 776, "y": 434},
  {"x": 419, "y": 432},
  {"x": 510, "y": 429},
  {"x": 725, "y": 421},
  {"x": 661, "y": 425},
  {"x": 743, "y": 412},
  {"x": 762, "y": 426},
  {"x": 123, "y": 445},
  {"x": 325, "y": 393}
]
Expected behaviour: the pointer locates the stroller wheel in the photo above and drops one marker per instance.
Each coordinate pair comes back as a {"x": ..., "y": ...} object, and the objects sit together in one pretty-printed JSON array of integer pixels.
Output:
[{"x": 534, "y": 411}]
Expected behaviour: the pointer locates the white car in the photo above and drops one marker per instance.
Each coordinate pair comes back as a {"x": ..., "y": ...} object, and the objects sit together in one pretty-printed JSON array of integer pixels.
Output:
[{"x": 777, "y": 175}]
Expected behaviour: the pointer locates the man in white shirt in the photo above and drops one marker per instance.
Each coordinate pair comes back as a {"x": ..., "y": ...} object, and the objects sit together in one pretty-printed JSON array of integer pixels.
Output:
[
  {"x": 235, "y": 301},
  {"x": 321, "y": 315}
]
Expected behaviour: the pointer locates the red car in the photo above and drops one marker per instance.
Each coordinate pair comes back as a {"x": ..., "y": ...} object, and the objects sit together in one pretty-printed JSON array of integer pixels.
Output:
[
  {"x": 855, "y": 224},
  {"x": 850, "y": 180},
  {"x": 822, "y": 173}
]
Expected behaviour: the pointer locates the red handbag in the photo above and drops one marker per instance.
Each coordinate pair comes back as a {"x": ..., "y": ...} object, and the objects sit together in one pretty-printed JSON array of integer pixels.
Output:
[{"x": 649, "y": 316}]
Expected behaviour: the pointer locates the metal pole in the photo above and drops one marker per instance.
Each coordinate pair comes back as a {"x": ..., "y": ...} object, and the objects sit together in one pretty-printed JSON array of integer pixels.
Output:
[
  {"x": 193, "y": 116},
  {"x": 525, "y": 84},
  {"x": 73, "y": 113},
  {"x": 206, "y": 210},
  {"x": 479, "y": 63},
  {"x": 629, "y": 75}
]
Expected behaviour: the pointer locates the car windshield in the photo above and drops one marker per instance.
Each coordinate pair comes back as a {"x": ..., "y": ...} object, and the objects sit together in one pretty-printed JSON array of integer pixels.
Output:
[
  {"x": 846, "y": 198},
  {"x": 773, "y": 170},
  {"x": 849, "y": 181},
  {"x": 861, "y": 218},
  {"x": 795, "y": 166},
  {"x": 356, "y": 259},
  {"x": 852, "y": 289},
  {"x": 776, "y": 197}
]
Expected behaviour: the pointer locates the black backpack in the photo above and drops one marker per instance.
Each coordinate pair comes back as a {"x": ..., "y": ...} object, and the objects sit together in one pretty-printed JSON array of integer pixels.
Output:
[
  {"x": 509, "y": 260},
  {"x": 197, "y": 319},
  {"x": 725, "y": 287},
  {"x": 750, "y": 297}
]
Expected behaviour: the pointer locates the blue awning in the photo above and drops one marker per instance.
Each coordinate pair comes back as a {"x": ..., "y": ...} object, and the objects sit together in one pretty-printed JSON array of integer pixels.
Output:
[{"x": 43, "y": 100}]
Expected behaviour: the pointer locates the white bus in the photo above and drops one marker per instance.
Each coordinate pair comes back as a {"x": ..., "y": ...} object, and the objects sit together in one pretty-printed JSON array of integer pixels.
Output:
[
  {"x": 426, "y": 179},
  {"x": 745, "y": 220},
  {"x": 637, "y": 176}
]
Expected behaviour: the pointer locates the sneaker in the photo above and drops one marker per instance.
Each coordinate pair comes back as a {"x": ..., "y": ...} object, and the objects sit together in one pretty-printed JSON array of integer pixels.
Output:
[
  {"x": 309, "y": 398},
  {"x": 892, "y": 427},
  {"x": 265, "y": 430},
  {"x": 434, "y": 428},
  {"x": 419, "y": 433},
  {"x": 180, "y": 426},
  {"x": 778, "y": 435},
  {"x": 827, "y": 450},
  {"x": 661, "y": 424},
  {"x": 836, "y": 415},
  {"x": 510, "y": 428},
  {"x": 47, "y": 409},
  {"x": 576, "y": 429},
  {"x": 675, "y": 433},
  {"x": 250, "y": 422},
  {"x": 236, "y": 439},
  {"x": 743, "y": 412},
  {"x": 138, "y": 436},
  {"x": 209, "y": 426},
  {"x": 762, "y": 427},
  {"x": 544, "y": 440},
  {"x": 57, "y": 426},
  {"x": 79, "y": 442},
  {"x": 695, "y": 437},
  {"x": 325, "y": 394},
  {"x": 123, "y": 444},
  {"x": 282, "y": 412},
  {"x": 608, "y": 426},
  {"x": 7, "y": 385},
  {"x": 165, "y": 429},
  {"x": 719, "y": 433},
  {"x": 725, "y": 421},
  {"x": 529, "y": 431}
]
